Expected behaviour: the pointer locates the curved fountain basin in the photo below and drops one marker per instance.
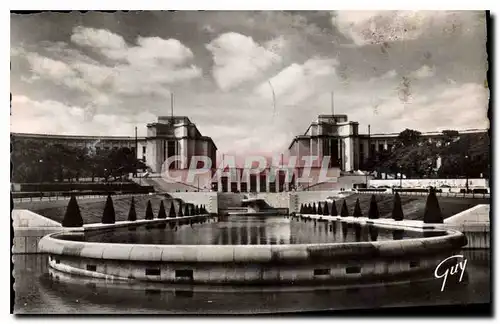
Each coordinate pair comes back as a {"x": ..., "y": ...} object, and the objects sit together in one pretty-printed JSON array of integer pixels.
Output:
[{"x": 342, "y": 263}]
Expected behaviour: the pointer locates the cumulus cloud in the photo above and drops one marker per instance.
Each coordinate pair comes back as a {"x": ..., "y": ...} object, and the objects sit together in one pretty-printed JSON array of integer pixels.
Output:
[
  {"x": 424, "y": 72},
  {"x": 53, "y": 117},
  {"x": 238, "y": 58},
  {"x": 378, "y": 27},
  {"x": 98, "y": 38},
  {"x": 458, "y": 107},
  {"x": 148, "y": 68},
  {"x": 299, "y": 81}
]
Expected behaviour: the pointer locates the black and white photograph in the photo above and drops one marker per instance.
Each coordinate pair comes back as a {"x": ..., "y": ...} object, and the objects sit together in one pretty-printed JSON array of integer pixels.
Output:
[{"x": 266, "y": 162}]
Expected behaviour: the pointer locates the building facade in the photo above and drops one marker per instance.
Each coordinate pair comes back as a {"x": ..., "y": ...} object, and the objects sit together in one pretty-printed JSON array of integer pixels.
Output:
[
  {"x": 332, "y": 140},
  {"x": 167, "y": 137},
  {"x": 176, "y": 136},
  {"x": 335, "y": 137}
]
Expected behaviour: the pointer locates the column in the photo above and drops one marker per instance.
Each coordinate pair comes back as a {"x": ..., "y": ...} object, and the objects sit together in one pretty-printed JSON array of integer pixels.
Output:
[
  {"x": 238, "y": 176},
  {"x": 219, "y": 180},
  {"x": 267, "y": 179}
]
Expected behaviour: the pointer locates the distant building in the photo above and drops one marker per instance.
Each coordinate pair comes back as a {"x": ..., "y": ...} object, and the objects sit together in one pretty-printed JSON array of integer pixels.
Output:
[
  {"x": 336, "y": 137},
  {"x": 330, "y": 136},
  {"x": 165, "y": 138},
  {"x": 176, "y": 136}
]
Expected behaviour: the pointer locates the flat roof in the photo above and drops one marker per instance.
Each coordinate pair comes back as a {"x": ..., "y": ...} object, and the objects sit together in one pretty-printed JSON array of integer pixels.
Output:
[{"x": 78, "y": 137}]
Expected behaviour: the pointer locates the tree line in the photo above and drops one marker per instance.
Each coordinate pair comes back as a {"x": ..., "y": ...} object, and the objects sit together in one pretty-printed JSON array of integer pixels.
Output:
[
  {"x": 462, "y": 155},
  {"x": 38, "y": 161}
]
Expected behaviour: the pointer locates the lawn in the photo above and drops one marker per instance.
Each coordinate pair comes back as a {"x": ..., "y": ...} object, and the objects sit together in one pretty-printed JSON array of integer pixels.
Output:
[
  {"x": 413, "y": 206},
  {"x": 92, "y": 209}
]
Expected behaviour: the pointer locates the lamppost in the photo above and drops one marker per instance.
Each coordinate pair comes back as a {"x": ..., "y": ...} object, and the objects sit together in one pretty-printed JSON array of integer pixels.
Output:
[
  {"x": 41, "y": 178},
  {"x": 400, "y": 178},
  {"x": 466, "y": 174}
]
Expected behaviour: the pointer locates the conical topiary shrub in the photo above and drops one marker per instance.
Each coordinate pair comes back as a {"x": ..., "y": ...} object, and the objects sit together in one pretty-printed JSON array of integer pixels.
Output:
[
  {"x": 108, "y": 215},
  {"x": 326, "y": 212},
  {"x": 72, "y": 217},
  {"x": 196, "y": 210},
  {"x": 333, "y": 211},
  {"x": 432, "y": 213},
  {"x": 344, "y": 212},
  {"x": 301, "y": 210},
  {"x": 180, "y": 213},
  {"x": 161, "y": 213},
  {"x": 357, "y": 210},
  {"x": 397, "y": 210},
  {"x": 314, "y": 211},
  {"x": 149, "y": 211},
  {"x": 171, "y": 213},
  {"x": 373, "y": 211},
  {"x": 186, "y": 210},
  {"x": 132, "y": 216},
  {"x": 320, "y": 210},
  {"x": 204, "y": 210}
]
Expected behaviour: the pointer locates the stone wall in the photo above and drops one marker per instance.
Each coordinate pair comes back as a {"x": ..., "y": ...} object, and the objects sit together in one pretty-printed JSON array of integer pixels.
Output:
[
  {"x": 276, "y": 200},
  {"x": 304, "y": 197},
  {"x": 424, "y": 183},
  {"x": 475, "y": 224},
  {"x": 226, "y": 200},
  {"x": 340, "y": 262},
  {"x": 29, "y": 228},
  {"x": 209, "y": 199}
]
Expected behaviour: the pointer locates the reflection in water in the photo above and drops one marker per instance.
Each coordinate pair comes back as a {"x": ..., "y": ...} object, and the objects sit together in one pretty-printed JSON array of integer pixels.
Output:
[
  {"x": 357, "y": 232},
  {"x": 252, "y": 230},
  {"x": 36, "y": 292},
  {"x": 373, "y": 232},
  {"x": 397, "y": 234},
  {"x": 345, "y": 227}
]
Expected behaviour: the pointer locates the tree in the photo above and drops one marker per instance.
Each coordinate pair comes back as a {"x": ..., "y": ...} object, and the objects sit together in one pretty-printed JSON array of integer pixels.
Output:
[
  {"x": 186, "y": 210},
  {"x": 301, "y": 210},
  {"x": 373, "y": 212},
  {"x": 409, "y": 137},
  {"x": 108, "y": 216},
  {"x": 397, "y": 210},
  {"x": 320, "y": 210},
  {"x": 149, "y": 211},
  {"x": 450, "y": 136},
  {"x": 161, "y": 212},
  {"x": 132, "y": 216},
  {"x": 326, "y": 212},
  {"x": 432, "y": 213},
  {"x": 172, "y": 213},
  {"x": 357, "y": 209},
  {"x": 181, "y": 214},
  {"x": 333, "y": 211},
  {"x": 314, "y": 210},
  {"x": 72, "y": 217},
  {"x": 344, "y": 212}
]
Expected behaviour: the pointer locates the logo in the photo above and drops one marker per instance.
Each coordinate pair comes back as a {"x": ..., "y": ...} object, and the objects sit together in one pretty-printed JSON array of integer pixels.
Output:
[{"x": 443, "y": 273}]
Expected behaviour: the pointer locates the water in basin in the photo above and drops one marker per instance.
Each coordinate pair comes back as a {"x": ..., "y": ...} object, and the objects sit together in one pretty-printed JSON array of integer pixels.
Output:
[{"x": 254, "y": 230}]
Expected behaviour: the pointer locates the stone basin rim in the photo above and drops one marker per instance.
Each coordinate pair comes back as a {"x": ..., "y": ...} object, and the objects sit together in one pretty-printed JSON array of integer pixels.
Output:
[{"x": 245, "y": 253}]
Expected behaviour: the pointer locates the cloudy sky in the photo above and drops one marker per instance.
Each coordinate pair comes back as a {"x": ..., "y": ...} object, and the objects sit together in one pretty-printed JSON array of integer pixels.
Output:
[{"x": 104, "y": 74}]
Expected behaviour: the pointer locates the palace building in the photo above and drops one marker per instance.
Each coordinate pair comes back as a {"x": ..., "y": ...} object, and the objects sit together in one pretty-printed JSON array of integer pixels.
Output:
[{"x": 332, "y": 136}]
